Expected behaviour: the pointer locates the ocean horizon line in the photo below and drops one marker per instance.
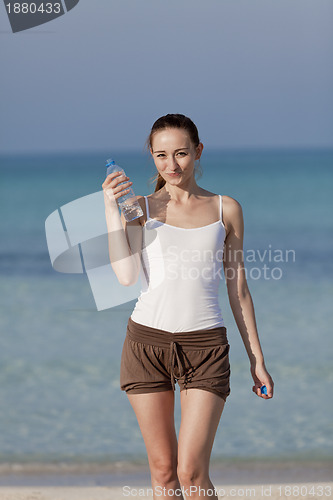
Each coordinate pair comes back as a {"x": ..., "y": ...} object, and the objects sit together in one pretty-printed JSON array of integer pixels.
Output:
[{"x": 136, "y": 151}]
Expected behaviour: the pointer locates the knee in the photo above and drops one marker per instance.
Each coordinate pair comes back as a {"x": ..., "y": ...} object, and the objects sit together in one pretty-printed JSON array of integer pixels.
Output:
[
  {"x": 163, "y": 471},
  {"x": 190, "y": 475}
]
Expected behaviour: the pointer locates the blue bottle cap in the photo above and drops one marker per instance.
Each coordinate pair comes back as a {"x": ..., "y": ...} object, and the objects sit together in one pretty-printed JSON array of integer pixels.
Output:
[
  {"x": 263, "y": 390},
  {"x": 110, "y": 162}
]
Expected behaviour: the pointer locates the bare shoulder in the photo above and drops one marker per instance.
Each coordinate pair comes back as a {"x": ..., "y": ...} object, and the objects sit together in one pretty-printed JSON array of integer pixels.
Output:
[
  {"x": 232, "y": 213},
  {"x": 231, "y": 205}
]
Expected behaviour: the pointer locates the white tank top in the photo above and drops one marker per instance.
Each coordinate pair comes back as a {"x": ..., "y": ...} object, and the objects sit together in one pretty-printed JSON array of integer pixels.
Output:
[{"x": 180, "y": 274}]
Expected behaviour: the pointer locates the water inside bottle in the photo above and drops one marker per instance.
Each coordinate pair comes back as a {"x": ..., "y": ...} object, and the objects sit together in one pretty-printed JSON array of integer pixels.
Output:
[{"x": 131, "y": 209}]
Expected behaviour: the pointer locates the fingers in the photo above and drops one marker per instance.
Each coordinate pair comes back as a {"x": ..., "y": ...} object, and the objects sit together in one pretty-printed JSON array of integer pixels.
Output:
[
  {"x": 115, "y": 185},
  {"x": 257, "y": 390},
  {"x": 270, "y": 390},
  {"x": 112, "y": 176},
  {"x": 112, "y": 180},
  {"x": 263, "y": 383}
]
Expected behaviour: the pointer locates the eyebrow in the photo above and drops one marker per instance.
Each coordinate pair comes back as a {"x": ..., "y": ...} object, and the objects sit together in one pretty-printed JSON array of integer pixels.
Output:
[{"x": 180, "y": 149}]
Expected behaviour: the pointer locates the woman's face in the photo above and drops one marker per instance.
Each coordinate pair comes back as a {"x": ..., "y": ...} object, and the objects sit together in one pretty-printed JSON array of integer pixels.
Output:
[{"x": 174, "y": 155}]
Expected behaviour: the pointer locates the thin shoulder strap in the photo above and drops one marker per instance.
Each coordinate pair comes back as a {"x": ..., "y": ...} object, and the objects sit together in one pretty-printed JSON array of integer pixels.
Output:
[
  {"x": 221, "y": 208},
  {"x": 147, "y": 207}
]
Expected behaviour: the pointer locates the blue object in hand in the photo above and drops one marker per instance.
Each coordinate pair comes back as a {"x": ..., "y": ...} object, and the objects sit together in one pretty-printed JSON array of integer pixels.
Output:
[{"x": 263, "y": 390}]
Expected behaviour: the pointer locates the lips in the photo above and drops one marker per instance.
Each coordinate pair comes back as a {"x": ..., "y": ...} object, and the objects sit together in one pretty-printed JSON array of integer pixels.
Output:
[{"x": 175, "y": 174}]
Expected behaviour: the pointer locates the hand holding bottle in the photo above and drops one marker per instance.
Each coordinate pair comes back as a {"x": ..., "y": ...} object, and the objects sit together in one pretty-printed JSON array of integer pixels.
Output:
[
  {"x": 122, "y": 191},
  {"x": 115, "y": 186},
  {"x": 124, "y": 262}
]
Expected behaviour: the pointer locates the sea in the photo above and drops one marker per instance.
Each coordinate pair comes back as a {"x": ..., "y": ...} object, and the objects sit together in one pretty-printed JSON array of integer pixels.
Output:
[{"x": 60, "y": 398}]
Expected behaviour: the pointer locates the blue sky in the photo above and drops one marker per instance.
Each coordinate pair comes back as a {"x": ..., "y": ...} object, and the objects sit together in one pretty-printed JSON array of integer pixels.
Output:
[{"x": 250, "y": 73}]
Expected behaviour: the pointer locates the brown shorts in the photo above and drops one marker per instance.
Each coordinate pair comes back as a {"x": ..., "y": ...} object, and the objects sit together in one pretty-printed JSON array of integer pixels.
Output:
[{"x": 152, "y": 360}]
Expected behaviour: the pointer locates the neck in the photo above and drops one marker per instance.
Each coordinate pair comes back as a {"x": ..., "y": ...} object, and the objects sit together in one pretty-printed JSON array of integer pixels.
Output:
[{"x": 183, "y": 192}]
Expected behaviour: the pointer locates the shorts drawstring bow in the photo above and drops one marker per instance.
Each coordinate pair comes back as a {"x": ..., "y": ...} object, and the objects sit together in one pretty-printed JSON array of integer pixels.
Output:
[{"x": 174, "y": 356}]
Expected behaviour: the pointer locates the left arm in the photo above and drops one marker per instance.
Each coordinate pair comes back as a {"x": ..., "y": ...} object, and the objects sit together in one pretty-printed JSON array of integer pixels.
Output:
[{"x": 239, "y": 295}]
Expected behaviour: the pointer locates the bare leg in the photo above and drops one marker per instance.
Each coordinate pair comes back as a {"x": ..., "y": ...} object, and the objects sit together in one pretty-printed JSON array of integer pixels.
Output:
[
  {"x": 200, "y": 415},
  {"x": 155, "y": 414}
]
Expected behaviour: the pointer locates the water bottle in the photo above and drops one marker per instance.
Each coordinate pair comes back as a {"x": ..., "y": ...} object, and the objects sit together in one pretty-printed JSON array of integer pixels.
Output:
[{"x": 127, "y": 203}]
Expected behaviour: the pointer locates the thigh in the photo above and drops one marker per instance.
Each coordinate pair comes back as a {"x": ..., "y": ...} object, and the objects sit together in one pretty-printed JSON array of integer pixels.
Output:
[
  {"x": 200, "y": 415},
  {"x": 155, "y": 415}
]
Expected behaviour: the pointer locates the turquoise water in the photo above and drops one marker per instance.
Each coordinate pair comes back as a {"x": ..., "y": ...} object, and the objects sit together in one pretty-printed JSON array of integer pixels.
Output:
[{"x": 59, "y": 356}]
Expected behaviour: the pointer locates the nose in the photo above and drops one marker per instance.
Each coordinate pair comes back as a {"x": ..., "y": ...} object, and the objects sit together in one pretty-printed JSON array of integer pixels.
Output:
[{"x": 172, "y": 164}]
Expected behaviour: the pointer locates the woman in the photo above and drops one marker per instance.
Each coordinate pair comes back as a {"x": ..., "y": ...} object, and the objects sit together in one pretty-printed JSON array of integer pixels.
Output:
[{"x": 176, "y": 331}]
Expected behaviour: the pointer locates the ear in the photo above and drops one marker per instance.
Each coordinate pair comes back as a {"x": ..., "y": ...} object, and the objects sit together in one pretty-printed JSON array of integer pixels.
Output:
[{"x": 199, "y": 151}]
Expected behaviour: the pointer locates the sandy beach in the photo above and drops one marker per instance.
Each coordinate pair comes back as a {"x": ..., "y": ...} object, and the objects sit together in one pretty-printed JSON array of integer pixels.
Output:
[{"x": 257, "y": 480}]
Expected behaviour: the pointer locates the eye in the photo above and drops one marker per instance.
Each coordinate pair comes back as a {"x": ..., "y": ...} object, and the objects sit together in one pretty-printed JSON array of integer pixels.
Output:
[{"x": 182, "y": 153}]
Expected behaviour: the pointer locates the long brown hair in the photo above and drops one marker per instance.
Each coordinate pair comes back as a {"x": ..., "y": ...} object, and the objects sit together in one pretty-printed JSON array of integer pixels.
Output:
[{"x": 173, "y": 121}]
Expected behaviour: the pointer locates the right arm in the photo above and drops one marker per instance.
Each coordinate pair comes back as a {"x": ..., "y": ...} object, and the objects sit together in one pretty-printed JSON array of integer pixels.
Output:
[
  {"x": 124, "y": 238},
  {"x": 240, "y": 297}
]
